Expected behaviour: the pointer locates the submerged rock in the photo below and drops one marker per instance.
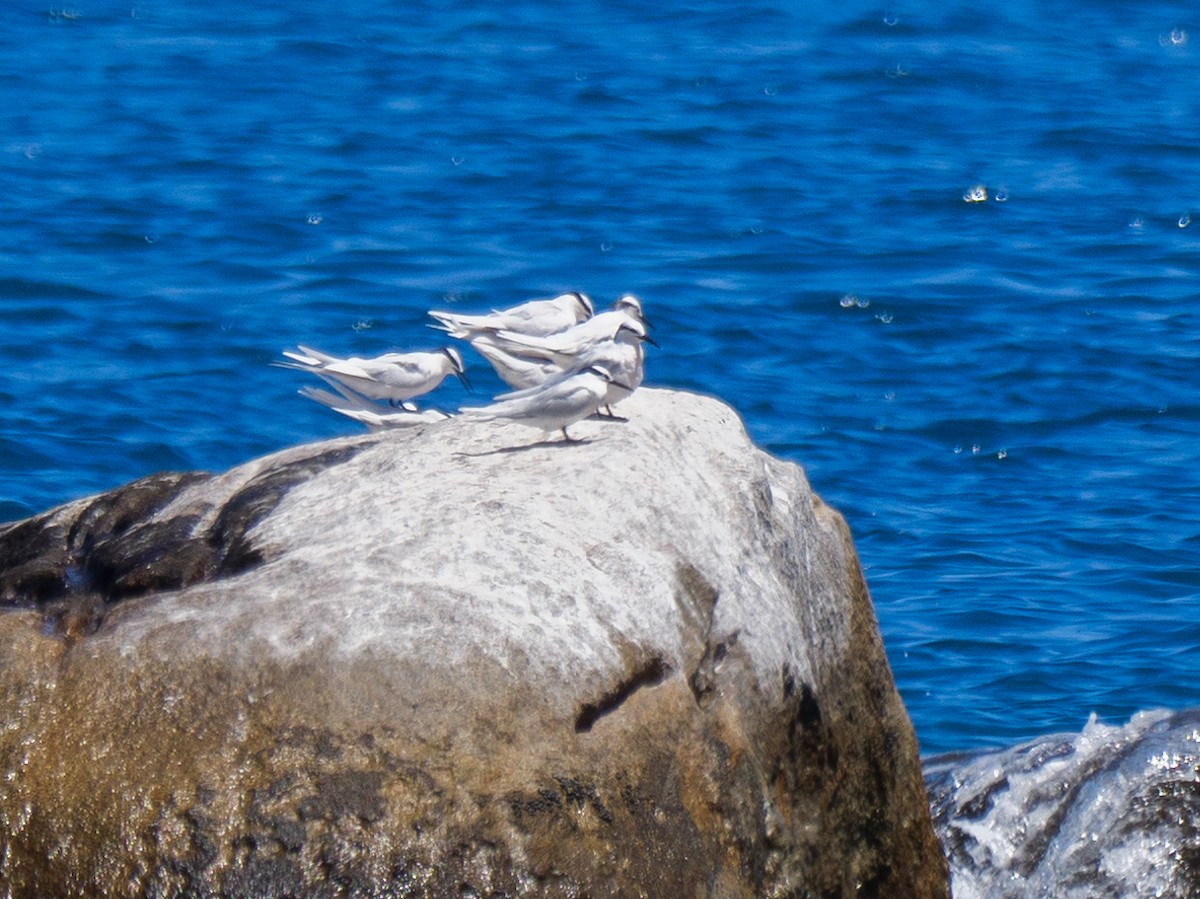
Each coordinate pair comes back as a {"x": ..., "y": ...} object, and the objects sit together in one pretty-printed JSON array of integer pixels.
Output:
[
  {"x": 1111, "y": 811},
  {"x": 447, "y": 662}
]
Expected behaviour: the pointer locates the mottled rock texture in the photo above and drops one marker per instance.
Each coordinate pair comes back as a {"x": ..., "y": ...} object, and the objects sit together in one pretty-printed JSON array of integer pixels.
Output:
[{"x": 448, "y": 661}]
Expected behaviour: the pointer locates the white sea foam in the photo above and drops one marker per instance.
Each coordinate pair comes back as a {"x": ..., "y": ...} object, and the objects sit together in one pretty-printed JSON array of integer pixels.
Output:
[{"x": 1107, "y": 811}]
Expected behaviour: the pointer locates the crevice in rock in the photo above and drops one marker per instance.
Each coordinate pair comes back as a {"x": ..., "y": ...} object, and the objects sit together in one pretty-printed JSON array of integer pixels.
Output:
[
  {"x": 703, "y": 679},
  {"x": 696, "y": 598},
  {"x": 808, "y": 712},
  {"x": 810, "y": 764},
  {"x": 806, "y": 718},
  {"x": 650, "y": 674}
]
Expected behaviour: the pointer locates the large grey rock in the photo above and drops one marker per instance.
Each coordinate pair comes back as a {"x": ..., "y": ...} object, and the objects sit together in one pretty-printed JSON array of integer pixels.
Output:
[{"x": 446, "y": 662}]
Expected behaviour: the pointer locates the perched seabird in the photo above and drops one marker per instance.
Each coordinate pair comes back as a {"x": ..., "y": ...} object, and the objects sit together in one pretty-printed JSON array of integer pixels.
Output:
[
  {"x": 569, "y": 345},
  {"x": 515, "y": 369},
  {"x": 535, "y": 361},
  {"x": 616, "y": 343},
  {"x": 631, "y": 306},
  {"x": 392, "y": 377},
  {"x": 552, "y": 406},
  {"x": 368, "y": 413},
  {"x": 626, "y": 361},
  {"x": 536, "y": 317}
]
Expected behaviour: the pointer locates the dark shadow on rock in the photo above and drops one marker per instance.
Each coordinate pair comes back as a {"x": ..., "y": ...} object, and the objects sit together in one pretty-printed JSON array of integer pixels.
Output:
[
  {"x": 524, "y": 447},
  {"x": 114, "y": 548}
]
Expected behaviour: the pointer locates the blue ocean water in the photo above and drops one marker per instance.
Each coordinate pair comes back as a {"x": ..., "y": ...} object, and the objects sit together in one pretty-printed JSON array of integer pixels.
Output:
[{"x": 1002, "y": 396}]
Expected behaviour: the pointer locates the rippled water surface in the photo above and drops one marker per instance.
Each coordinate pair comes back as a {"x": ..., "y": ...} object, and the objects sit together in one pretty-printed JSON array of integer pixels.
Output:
[{"x": 1001, "y": 395}]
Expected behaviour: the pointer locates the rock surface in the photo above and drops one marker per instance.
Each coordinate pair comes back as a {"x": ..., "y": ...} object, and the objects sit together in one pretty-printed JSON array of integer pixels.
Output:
[{"x": 447, "y": 662}]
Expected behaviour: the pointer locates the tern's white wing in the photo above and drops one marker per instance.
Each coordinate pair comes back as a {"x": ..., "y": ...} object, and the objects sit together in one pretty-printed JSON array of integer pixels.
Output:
[
  {"x": 392, "y": 377},
  {"x": 517, "y": 371},
  {"x": 537, "y": 317},
  {"x": 561, "y": 400},
  {"x": 550, "y": 407},
  {"x": 363, "y": 410},
  {"x": 563, "y": 347}
]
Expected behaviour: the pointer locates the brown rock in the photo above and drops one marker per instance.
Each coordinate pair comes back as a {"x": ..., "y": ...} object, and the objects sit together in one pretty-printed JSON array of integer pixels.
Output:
[{"x": 443, "y": 662}]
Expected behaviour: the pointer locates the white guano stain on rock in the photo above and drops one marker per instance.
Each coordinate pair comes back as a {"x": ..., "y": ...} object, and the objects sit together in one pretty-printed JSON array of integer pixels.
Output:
[{"x": 515, "y": 542}]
